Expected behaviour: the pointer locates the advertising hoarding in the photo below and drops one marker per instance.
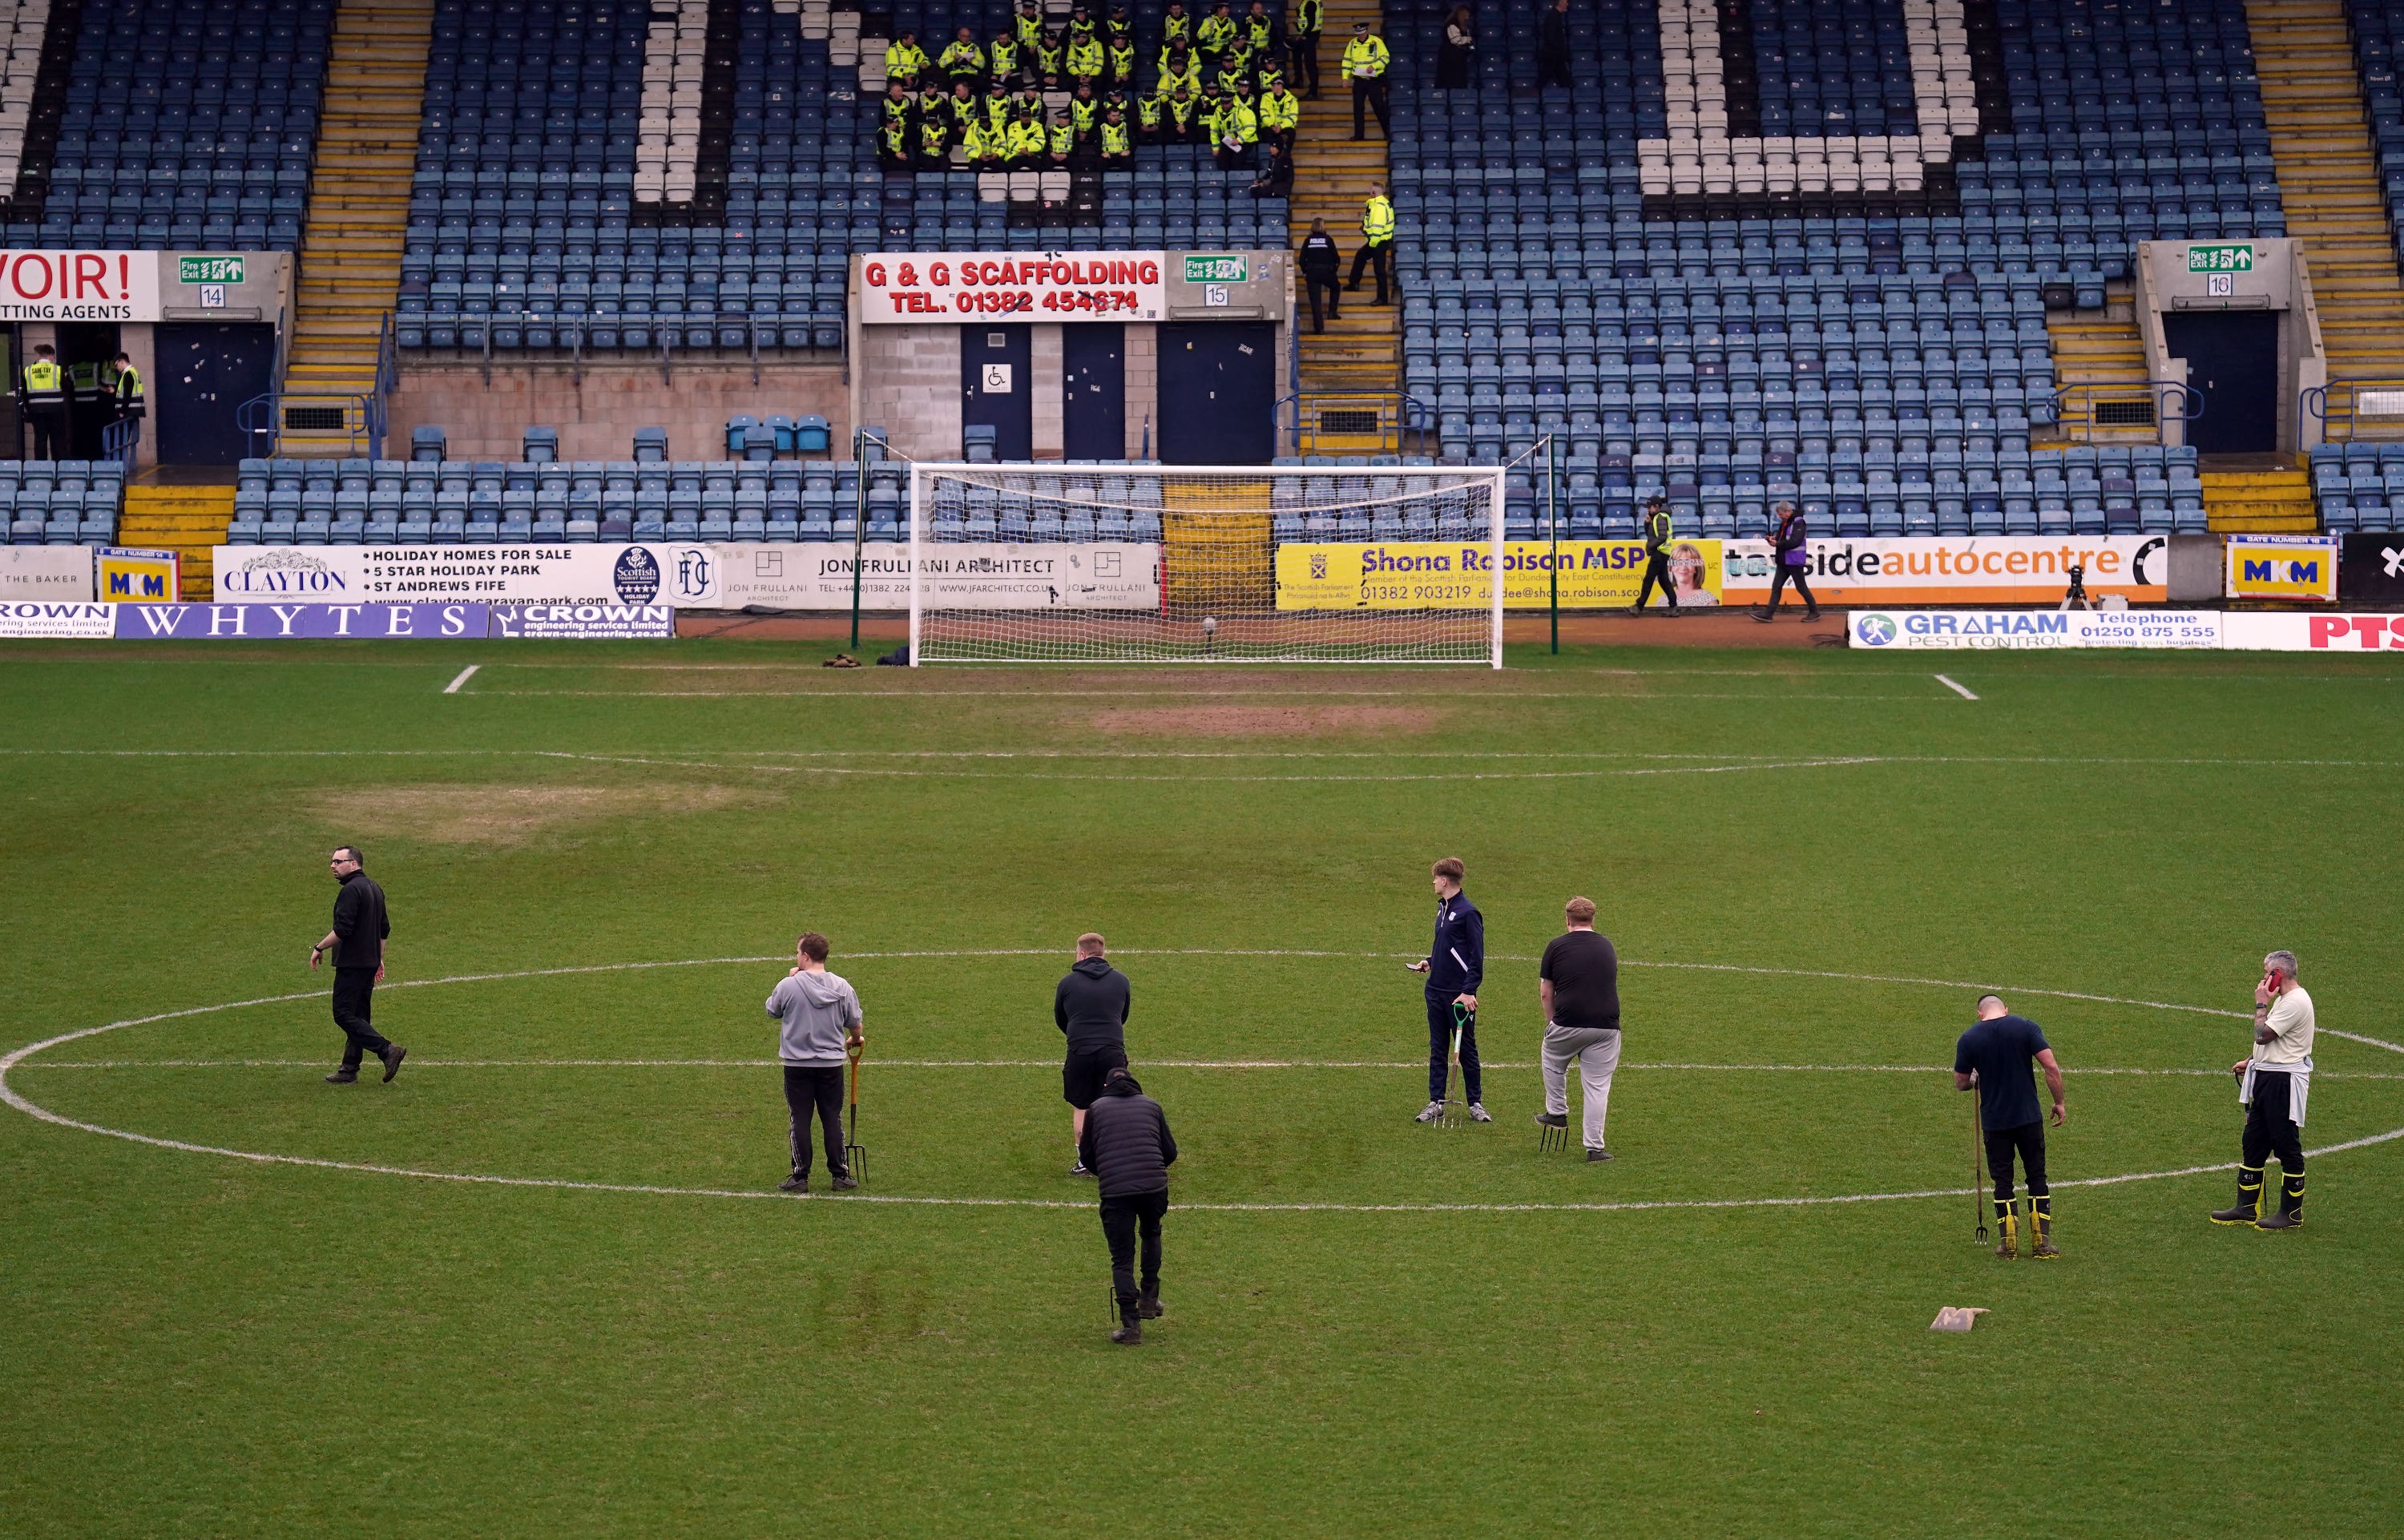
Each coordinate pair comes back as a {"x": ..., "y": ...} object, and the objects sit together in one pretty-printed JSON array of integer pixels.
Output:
[
  {"x": 2024, "y": 630},
  {"x": 2281, "y": 567},
  {"x": 1459, "y": 574},
  {"x": 35, "y": 572},
  {"x": 1972, "y": 569},
  {"x": 920, "y": 287}
]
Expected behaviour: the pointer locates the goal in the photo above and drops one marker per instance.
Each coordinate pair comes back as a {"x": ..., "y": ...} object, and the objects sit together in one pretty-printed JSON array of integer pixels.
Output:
[{"x": 1033, "y": 562}]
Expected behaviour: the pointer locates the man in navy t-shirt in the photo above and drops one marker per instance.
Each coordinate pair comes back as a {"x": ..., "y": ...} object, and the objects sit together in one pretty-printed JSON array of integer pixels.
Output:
[
  {"x": 1455, "y": 966},
  {"x": 1995, "y": 1056}
]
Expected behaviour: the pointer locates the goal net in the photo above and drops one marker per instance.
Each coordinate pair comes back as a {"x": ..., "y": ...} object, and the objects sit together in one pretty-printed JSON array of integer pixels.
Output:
[{"x": 1019, "y": 563}]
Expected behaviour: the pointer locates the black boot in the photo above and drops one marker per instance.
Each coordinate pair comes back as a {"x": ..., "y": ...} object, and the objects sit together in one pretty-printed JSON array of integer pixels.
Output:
[
  {"x": 2291, "y": 1205},
  {"x": 1130, "y": 1332},
  {"x": 2249, "y": 1198},
  {"x": 1147, "y": 1304},
  {"x": 2041, "y": 1229}
]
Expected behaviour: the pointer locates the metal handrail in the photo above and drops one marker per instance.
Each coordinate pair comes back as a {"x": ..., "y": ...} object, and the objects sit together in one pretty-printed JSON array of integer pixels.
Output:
[
  {"x": 1397, "y": 412},
  {"x": 121, "y": 440},
  {"x": 265, "y": 416},
  {"x": 2315, "y": 403},
  {"x": 2156, "y": 392}
]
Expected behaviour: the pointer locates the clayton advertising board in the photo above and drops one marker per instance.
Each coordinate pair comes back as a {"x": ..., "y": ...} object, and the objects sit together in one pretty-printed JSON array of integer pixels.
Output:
[
  {"x": 1980, "y": 569},
  {"x": 1958, "y": 630},
  {"x": 2281, "y": 567},
  {"x": 1459, "y": 574},
  {"x": 780, "y": 575},
  {"x": 35, "y": 572},
  {"x": 1025, "y": 286}
]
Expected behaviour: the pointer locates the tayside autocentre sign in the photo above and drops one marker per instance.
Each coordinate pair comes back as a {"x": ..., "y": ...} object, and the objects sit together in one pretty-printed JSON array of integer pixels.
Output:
[
  {"x": 920, "y": 287},
  {"x": 1967, "y": 569}
]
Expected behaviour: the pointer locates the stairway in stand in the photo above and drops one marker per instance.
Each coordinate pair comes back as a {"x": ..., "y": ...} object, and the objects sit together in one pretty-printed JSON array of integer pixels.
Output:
[
  {"x": 1332, "y": 180},
  {"x": 2097, "y": 347},
  {"x": 358, "y": 205},
  {"x": 161, "y": 513},
  {"x": 2320, "y": 139}
]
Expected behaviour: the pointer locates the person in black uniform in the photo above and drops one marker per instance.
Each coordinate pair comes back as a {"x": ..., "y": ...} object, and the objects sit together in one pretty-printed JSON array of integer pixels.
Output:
[
  {"x": 1658, "y": 532},
  {"x": 1995, "y": 1056},
  {"x": 1322, "y": 267},
  {"x": 1127, "y": 1145},
  {"x": 1454, "y": 966},
  {"x": 42, "y": 401},
  {"x": 1090, "y": 1008},
  {"x": 356, "y": 941},
  {"x": 1553, "y": 46}
]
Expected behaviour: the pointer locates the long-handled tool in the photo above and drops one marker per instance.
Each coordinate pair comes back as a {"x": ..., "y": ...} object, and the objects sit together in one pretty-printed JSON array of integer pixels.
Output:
[
  {"x": 1977, "y": 1159},
  {"x": 855, "y": 1154},
  {"x": 1552, "y": 1138},
  {"x": 1454, "y": 1114}
]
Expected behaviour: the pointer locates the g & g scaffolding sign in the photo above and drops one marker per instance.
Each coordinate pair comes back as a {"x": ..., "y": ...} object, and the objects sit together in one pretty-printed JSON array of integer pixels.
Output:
[{"x": 918, "y": 286}]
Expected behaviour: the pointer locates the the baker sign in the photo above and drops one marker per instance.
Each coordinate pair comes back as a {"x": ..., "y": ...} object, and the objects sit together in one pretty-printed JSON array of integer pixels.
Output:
[
  {"x": 1025, "y": 286},
  {"x": 79, "y": 285}
]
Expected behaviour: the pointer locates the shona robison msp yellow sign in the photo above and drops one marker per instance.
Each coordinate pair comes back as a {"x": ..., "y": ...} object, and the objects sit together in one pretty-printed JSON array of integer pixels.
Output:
[{"x": 1460, "y": 575}]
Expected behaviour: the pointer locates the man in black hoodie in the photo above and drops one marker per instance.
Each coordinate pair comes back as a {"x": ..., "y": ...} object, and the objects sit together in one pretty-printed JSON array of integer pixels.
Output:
[
  {"x": 1128, "y": 1143},
  {"x": 1090, "y": 1008}
]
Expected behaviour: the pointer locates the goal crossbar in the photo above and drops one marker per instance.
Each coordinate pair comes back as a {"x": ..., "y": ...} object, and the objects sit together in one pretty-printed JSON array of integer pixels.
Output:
[{"x": 1052, "y": 561}]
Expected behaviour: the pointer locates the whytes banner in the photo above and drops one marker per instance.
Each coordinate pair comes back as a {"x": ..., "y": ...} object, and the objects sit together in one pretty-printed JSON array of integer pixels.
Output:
[
  {"x": 1460, "y": 574},
  {"x": 1965, "y": 569},
  {"x": 2013, "y": 630},
  {"x": 79, "y": 286},
  {"x": 780, "y": 575},
  {"x": 1025, "y": 286},
  {"x": 2281, "y": 567}
]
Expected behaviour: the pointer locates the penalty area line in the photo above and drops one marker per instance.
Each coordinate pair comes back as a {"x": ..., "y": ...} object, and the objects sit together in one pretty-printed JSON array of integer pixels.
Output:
[{"x": 465, "y": 675}]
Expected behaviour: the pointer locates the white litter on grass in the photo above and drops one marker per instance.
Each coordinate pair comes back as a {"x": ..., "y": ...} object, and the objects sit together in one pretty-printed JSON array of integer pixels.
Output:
[{"x": 1956, "y": 1318}]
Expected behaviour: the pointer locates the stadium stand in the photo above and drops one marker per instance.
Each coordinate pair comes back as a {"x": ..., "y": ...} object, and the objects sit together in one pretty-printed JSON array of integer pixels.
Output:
[
  {"x": 159, "y": 124},
  {"x": 61, "y": 502},
  {"x": 1832, "y": 284},
  {"x": 2359, "y": 487},
  {"x": 569, "y": 193}
]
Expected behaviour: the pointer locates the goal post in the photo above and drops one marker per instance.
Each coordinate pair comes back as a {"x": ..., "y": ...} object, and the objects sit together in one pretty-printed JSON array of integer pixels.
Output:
[{"x": 1060, "y": 562}]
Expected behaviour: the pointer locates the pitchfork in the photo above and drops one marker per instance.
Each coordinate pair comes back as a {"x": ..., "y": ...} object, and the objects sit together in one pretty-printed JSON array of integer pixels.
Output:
[
  {"x": 855, "y": 1154},
  {"x": 1454, "y": 1115}
]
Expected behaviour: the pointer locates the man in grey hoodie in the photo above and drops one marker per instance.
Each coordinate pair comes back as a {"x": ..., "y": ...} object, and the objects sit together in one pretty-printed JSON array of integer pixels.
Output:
[{"x": 821, "y": 1020}]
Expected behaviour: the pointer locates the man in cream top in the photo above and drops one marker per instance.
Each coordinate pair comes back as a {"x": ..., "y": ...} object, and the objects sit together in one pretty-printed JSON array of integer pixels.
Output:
[{"x": 2273, "y": 1083}]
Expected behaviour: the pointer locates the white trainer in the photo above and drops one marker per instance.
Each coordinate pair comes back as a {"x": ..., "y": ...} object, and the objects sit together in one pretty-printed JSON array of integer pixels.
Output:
[
  {"x": 1430, "y": 1112},
  {"x": 1477, "y": 1113}
]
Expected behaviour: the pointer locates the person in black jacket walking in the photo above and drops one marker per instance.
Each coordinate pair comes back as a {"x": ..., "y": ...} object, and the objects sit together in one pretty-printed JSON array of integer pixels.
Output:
[
  {"x": 1321, "y": 263},
  {"x": 1454, "y": 966},
  {"x": 1553, "y": 46},
  {"x": 356, "y": 941},
  {"x": 1090, "y": 1008},
  {"x": 1128, "y": 1144},
  {"x": 1788, "y": 561}
]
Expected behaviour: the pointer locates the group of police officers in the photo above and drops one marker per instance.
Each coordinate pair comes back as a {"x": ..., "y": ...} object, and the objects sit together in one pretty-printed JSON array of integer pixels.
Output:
[
  {"x": 1219, "y": 81},
  {"x": 51, "y": 398}
]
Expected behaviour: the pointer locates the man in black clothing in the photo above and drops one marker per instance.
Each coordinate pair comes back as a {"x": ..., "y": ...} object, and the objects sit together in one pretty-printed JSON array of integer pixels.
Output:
[
  {"x": 1321, "y": 263},
  {"x": 1553, "y": 46},
  {"x": 1128, "y": 1144},
  {"x": 1659, "y": 531},
  {"x": 1995, "y": 1056},
  {"x": 1090, "y": 1008},
  {"x": 1454, "y": 967},
  {"x": 356, "y": 941},
  {"x": 1578, "y": 984}
]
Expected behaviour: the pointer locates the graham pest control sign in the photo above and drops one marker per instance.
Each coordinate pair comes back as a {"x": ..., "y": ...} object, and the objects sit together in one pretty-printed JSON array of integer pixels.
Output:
[{"x": 903, "y": 287}]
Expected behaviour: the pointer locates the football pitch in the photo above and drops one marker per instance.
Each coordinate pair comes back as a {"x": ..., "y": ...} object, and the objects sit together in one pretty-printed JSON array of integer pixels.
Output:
[{"x": 542, "y": 1283}]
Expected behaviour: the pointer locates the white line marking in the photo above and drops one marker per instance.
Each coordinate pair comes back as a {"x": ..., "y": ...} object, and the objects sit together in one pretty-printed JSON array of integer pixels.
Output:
[
  {"x": 465, "y": 675},
  {"x": 1957, "y": 689},
  {"x": 1668, "y": 698},
  {"x": 17, "y": 1057}
]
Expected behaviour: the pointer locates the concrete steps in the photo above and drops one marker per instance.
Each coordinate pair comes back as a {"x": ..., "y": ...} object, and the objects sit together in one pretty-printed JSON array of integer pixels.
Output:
[
  {"x": 188, "y": 519},
  {"x": 1333, "y": 177},
  {"x": 358, "y": 205},
  {"x": 2320, "y": 138},
  {"x": 2260, "y": 502}
]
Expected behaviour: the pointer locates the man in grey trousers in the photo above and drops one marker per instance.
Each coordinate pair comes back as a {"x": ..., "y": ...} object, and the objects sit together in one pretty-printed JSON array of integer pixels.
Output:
[
  {"x": 1578, "y": 982},
  {"x": 821, "y": 1018}
]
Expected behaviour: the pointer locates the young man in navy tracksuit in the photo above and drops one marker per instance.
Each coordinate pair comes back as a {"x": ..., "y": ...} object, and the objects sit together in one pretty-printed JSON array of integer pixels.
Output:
[{"x": 1455, "y": 967}]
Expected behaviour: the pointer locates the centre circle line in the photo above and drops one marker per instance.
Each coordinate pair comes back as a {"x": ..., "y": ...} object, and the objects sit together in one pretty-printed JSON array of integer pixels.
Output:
[{"x": 10, "y": 1095}]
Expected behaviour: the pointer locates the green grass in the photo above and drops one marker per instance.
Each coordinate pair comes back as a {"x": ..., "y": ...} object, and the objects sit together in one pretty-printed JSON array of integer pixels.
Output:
[{"x": 192, "y": 1344}]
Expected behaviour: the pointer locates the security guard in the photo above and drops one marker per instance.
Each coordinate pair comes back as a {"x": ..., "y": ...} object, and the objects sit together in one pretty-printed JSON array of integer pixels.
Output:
[
  {"x": 893, "y": 143},
  {"x": 1280, "y": 111},
  {"x": 1217, "y": 30},
  {"x": 1086, "y": 59},
  {"x": 1239, "y": 130},
  {"x": 1004, "y": 54},
  {"x": 1031, "y": 101},
  {"x": 42, "y": 401},
  {"x": 1119, "y": 28},
  {"x": 1184, "y": 116},
  {"x": 1177, "y": 68},
  {"x": 934, "y": 104},
  {"x": 1027, "y": 141},
  {"x": 1028, "y": 26},
  {"x": 1118, "y": 144},
  {"x": 1148, "y": 116},
  {"x": 1658, "y": 532},
  {"x": 981, "y": 146},
  {"x": 1176, "y": 28},
  {"x": 1378, "y": 246},
  {"x": 1064, "y": 138},
  {"x": 1085, "y": 112},
  {"x": 131, "y": 407},
  {"x": 1366, "y": 59},
  {"x": 964, "y": 60},
  {"x": 1260, "y": 28},
  {"x": 897, "y": 104},
  {"x": 904, "y": 59},
  {"x": 1048, "y": 56},
  {"x": 1235, "y": 66},
  {"x": 964, "y": 107},
  {"x": 934, "y": 139},
  {"x": 90, "y": 404},
  {"x": 1309, "y": 17},
  {"x": 1319, "y": 263},
  {"x": 1122, "y": 60}
]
